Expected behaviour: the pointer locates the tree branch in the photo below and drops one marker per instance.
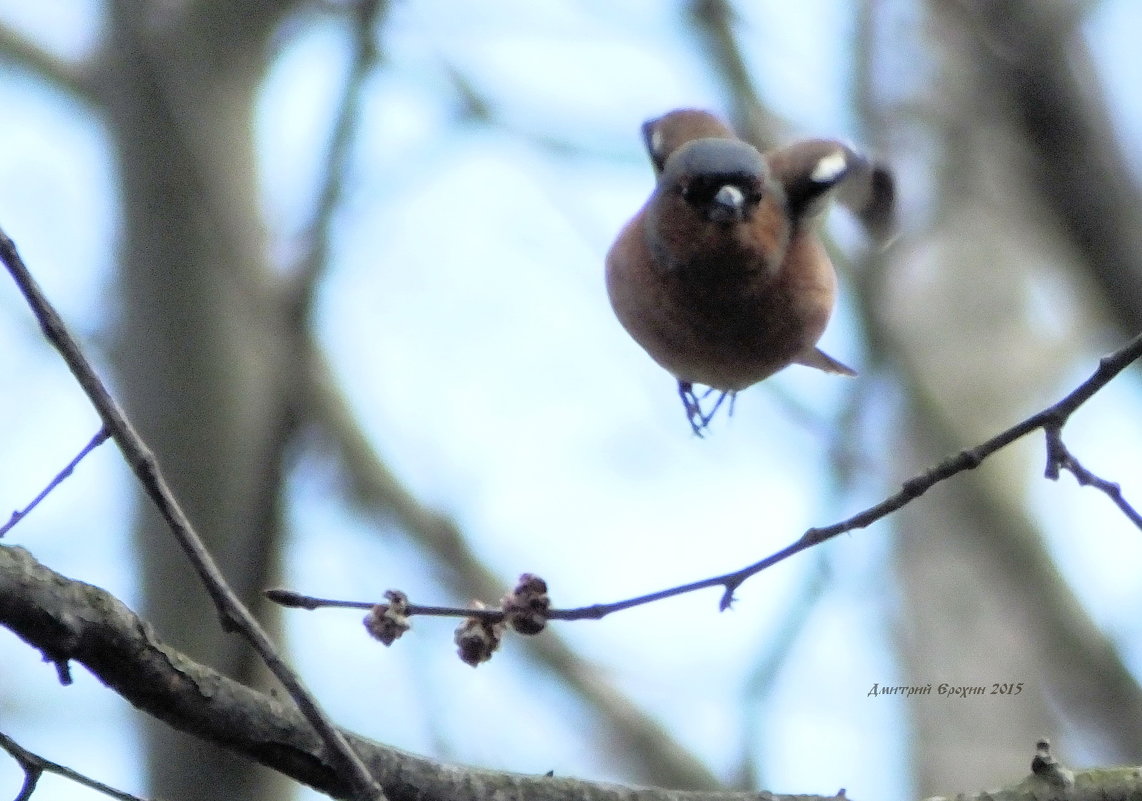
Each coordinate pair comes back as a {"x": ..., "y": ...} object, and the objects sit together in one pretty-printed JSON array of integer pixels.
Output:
[
  {"x": 71, "y": 621},
  {"x": 233, "y": 613},
  {"x": 1051, "y": 420}
]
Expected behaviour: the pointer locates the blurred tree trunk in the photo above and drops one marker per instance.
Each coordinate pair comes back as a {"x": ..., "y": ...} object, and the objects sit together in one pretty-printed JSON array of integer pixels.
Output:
[
  {"x": 962, "y": 311},
  {"x": 966, "y": 557},
  {"x": 200, "y": 356}
]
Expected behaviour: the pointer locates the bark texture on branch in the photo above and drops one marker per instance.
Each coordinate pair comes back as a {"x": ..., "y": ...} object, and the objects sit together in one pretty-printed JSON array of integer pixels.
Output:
[{"x": 70, "y": 621}]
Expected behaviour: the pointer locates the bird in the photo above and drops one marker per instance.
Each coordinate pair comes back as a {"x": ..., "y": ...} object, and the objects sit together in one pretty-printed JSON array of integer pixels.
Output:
[{"x": 721, "y": 276}]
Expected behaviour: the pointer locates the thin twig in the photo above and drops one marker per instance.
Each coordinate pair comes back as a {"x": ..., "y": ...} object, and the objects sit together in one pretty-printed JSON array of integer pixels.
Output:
[
  {"x": 20, "y": 514},
  {"x": 35, "y": 765},
  {"x": 296, "y": 600},
  {"x": 1051, "y": 420},
  {"x": 232, "y": 612}
]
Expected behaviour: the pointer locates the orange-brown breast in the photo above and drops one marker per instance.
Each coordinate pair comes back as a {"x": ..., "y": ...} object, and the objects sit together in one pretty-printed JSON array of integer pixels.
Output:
[{"x": 738, "y": 303}]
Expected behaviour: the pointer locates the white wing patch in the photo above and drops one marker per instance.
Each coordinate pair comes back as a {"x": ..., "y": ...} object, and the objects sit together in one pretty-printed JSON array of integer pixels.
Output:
[
  {"x": 829, "y": 168},
  {"x": 656, "y": 142}
]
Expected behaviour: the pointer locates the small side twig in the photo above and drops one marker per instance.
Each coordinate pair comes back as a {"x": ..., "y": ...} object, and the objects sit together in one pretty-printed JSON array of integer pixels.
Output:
[
  {"x": 297, "y": 600},
  {"x": 34, "y": 766},
  {"x": 20, "y": 514},
  {"x": 1059, "y": 458}
]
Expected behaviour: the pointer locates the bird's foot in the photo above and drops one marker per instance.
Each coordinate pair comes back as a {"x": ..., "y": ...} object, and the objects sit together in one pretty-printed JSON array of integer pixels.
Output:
[{"x": 692, "y": 401}]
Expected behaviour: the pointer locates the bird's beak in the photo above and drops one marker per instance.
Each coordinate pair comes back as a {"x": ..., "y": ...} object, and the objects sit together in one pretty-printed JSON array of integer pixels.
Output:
[{"x": 728, "y": 205}]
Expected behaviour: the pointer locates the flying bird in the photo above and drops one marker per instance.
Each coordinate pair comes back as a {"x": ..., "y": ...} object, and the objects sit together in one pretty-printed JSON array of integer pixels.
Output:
[{"x": 721, "y": 277}]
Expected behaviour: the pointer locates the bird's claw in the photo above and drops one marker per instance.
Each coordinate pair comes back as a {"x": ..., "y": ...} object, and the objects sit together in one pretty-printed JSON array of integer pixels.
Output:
[{"x": 700, "y": 420}]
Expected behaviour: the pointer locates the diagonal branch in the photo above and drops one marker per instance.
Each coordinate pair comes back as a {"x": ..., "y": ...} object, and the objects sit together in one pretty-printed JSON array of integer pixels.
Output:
[
  {"x": 1051, "y": 420},
  {"x": 1037, "y": 66},
  {"x": 233, "y": 613}
]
